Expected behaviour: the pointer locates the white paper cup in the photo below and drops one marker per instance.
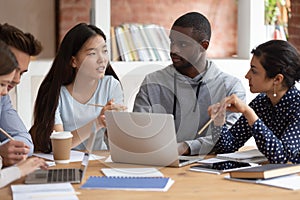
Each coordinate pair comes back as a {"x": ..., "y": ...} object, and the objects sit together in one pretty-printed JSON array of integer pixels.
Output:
[{"x": 61, "y": 146}]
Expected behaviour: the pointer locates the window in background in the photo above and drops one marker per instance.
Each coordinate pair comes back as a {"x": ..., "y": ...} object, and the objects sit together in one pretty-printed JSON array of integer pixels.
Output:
[{"x": 277, "y": 13}]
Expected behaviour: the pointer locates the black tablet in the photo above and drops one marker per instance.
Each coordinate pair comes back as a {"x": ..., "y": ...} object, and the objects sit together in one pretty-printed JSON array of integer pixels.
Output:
[{"x": 219, "y": 167}]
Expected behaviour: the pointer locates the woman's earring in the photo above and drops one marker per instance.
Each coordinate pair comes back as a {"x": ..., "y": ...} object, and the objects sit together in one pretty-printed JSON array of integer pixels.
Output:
[{"x": 274, "y": 92}]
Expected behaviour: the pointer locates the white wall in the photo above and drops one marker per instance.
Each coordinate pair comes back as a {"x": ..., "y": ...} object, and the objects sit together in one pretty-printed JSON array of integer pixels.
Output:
[
  {"x": 34, "y": 16},
  {"x": 27, "y": 90},
  {"x": 251, "y": 29},
  {"x": 238, "y": 68}
]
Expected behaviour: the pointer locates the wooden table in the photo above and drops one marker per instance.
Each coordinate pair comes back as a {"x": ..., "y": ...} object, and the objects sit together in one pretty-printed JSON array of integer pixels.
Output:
[{"x": 188, "y": 185}]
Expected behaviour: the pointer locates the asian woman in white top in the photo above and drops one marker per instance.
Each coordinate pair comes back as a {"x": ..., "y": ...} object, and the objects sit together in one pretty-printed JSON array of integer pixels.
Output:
[{"x": 75, "y": 82}]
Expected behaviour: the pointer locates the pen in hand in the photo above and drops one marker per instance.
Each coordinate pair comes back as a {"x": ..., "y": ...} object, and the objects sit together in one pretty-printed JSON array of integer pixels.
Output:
[{"x": 6, "y": 134}]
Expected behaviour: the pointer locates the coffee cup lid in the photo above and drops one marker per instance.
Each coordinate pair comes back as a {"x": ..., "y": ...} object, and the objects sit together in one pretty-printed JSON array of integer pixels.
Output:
[{"x": 61, "y": 135}]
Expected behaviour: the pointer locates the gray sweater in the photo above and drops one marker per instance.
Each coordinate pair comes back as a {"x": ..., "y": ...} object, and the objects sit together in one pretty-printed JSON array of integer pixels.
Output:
[{"x": 168, "y": 91}]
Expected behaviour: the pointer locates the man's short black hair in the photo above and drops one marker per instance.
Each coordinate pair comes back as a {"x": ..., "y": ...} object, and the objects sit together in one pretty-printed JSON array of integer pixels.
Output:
[{"x": 199, "y": 23}]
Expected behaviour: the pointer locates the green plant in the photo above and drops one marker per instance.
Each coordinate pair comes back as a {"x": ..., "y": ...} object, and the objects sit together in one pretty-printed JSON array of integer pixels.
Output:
[{"x": 271, "y": 11}]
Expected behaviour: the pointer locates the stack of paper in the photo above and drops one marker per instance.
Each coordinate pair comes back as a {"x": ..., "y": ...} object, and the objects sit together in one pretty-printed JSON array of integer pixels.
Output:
[
  {"x": 57, "y": 191},
  {"x": 290, "y": 182},
  {"x": 76, "y": 156}
]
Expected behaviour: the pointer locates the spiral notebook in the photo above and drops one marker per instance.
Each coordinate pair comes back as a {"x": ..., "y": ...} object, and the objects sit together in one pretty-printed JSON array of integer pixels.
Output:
[{"x": 128, "y": 183}]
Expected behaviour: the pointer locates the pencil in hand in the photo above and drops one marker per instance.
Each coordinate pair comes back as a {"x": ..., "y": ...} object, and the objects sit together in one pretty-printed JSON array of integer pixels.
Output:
[
  {"x": 6, "y": 134},
  {"x": 115, "y": 106},
  {"x": 96, "y": 105},
  {"x": 205, "y": 126},
  {"x": 213, "y": 117}
]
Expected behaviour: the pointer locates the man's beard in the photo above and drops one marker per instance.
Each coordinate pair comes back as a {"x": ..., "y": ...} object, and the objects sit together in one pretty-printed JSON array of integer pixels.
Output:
[{"x": 184, "y": 65}]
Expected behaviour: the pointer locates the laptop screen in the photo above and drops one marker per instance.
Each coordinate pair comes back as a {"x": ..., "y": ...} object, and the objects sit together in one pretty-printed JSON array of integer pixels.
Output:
[{"x": 141, "y": 138}]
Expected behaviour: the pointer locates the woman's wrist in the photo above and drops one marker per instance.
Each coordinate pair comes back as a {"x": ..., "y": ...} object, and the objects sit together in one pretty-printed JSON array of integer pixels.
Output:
[
  {"x": 250, "y": 115},
  {"x": 98, "y": 125}
]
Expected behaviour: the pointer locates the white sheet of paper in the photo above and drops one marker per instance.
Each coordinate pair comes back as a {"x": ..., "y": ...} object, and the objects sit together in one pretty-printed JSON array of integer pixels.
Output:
[
  {"x": 132, "y": 172},
  {"x": 55, "y": 191},
  {"x": 210, "y": 160},
  {"x": 253, "y": 153},
  {"x": 50, "y": 163},
  {"x": 108, "y": 159},
  {"x": 250, "y": 156},
  {"x": 290, "y": 182},
  {"x": 76, "y": 156}
]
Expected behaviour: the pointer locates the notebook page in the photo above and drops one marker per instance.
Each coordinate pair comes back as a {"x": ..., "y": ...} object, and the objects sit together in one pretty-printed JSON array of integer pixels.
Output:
[{"x": 132, "y": 172}]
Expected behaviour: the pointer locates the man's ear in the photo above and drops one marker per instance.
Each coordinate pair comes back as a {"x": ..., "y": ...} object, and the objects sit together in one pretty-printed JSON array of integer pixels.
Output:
[{"x": 205, "y": 44}]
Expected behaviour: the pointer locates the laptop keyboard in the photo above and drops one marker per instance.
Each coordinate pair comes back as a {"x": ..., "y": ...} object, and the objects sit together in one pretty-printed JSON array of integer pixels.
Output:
[{"x": 61, "y": 175}]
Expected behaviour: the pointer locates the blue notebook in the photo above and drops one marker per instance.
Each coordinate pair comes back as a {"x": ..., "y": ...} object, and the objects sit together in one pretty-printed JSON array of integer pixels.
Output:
[{"x": 128, "y": 183}]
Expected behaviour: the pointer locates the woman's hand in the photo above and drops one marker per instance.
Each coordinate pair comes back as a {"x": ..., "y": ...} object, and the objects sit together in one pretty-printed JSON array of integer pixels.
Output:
[
  {"x": 235, "y": 104},
  {"x": 232, "y": 104},
  {"x": 109, "y": 106},
  {"x": 217, "y": 112},
  {"x": 31, "y": 164}
]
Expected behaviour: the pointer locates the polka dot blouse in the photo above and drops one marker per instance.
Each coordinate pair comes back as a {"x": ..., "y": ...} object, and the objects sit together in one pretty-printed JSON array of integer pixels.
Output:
[{"x": 276, "y": 132}]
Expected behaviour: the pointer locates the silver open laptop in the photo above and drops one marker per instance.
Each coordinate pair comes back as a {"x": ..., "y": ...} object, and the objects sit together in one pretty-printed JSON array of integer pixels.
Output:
[
  {"x": 144, "y": 138},
  {"x": 62, "y": 175}
]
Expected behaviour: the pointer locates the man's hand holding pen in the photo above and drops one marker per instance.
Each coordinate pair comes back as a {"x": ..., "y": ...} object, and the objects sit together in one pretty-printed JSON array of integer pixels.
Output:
[{"x": 13, "y": 152}]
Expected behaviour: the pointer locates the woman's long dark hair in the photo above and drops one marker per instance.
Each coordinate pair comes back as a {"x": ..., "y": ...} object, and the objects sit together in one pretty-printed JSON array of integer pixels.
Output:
[{"x": 60, "y": 74}]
